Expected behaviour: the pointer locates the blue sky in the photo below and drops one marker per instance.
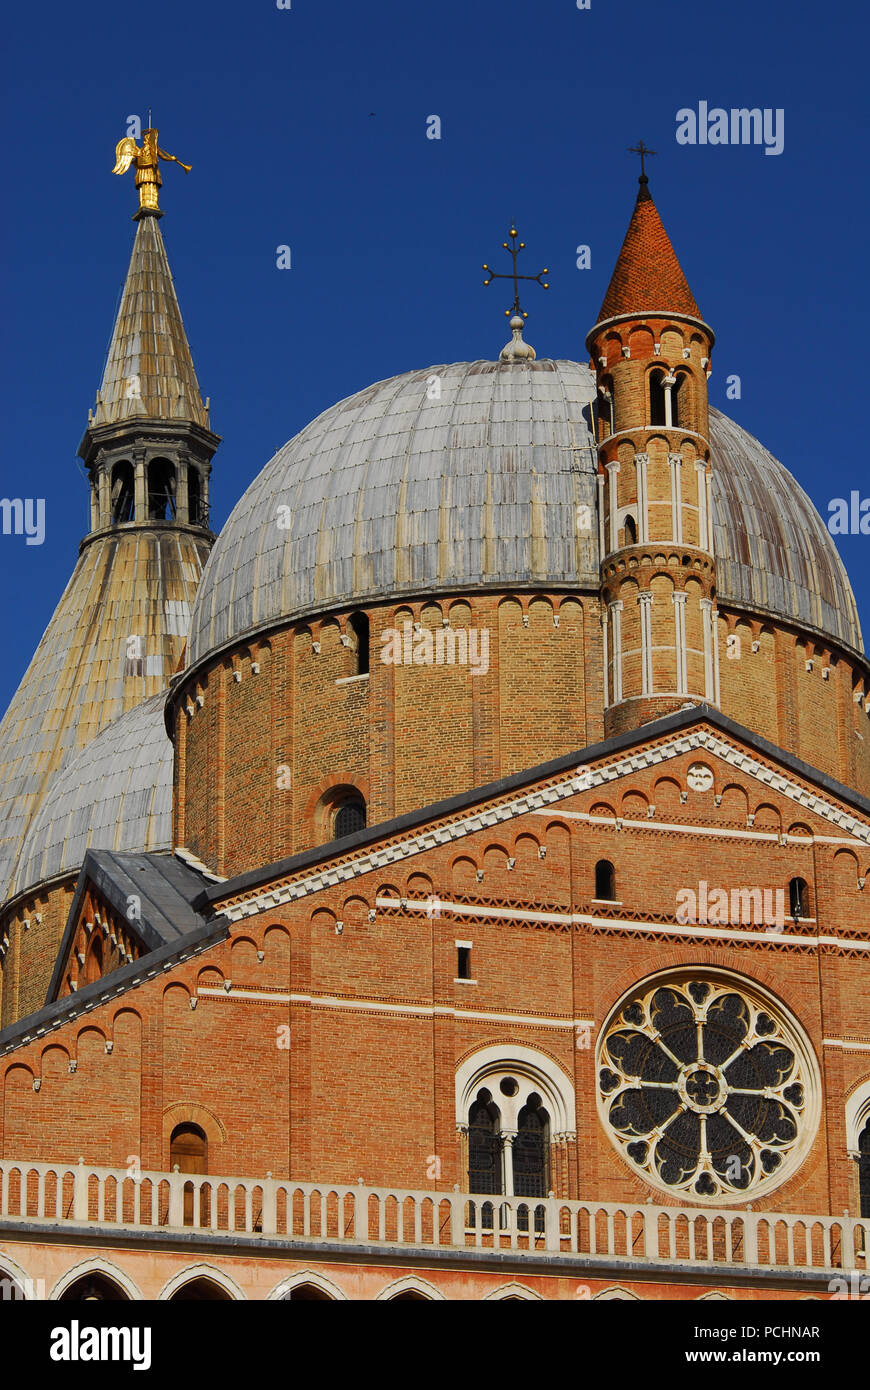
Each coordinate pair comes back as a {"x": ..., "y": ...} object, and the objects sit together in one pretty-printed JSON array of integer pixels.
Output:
[{"x": 388, "y": 229}]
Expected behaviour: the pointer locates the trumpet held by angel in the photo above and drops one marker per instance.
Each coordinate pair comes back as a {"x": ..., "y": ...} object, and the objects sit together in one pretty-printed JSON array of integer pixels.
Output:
[{"x": 147, "y": 162}]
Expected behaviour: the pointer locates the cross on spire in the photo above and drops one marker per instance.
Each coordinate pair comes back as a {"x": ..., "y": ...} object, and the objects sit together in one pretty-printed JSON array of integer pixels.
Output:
[
  {"x": 515, "y": 248},
  {"x": 641, "y": 149}
]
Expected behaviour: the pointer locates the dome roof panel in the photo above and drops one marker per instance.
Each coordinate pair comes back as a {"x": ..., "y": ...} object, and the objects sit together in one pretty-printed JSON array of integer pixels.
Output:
[
  {"x": 392, "y": 494},
  {"x": 114, "y": 794}
]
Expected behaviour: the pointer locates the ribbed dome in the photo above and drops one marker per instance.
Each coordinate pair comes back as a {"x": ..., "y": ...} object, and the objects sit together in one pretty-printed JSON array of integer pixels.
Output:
[
  {"x": 114, "y": 794},
  {"x": 393, "y": 492},
  {"x": 133, "y": 581}
]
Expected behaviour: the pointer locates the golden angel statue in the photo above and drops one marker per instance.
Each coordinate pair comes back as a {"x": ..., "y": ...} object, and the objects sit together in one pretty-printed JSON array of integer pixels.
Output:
[{"x": 147, "y": 161}]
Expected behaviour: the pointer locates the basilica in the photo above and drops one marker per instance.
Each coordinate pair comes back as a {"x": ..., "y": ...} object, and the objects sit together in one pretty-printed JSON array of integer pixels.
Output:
[{"x": 356, "y": 859}]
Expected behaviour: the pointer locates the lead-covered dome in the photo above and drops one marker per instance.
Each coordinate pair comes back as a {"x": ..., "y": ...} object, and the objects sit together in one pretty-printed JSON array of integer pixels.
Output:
[
  {"x": 114, "y": 794},
  {"x": 482, "y": 475}
]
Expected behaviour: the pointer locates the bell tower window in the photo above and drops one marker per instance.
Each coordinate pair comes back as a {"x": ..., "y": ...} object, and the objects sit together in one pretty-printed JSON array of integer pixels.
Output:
[
  {"x": 123, "y": 494},
  {"x": 194, "y": 498},
  {"x": 161, "y": 490},
  {"x": 657, "y": 398}
]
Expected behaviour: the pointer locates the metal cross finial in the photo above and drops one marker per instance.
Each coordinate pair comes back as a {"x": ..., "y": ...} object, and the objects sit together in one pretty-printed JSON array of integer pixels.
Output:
[
  {"x": 515, "y": 248},
  {"x": 641, "y": 149}
]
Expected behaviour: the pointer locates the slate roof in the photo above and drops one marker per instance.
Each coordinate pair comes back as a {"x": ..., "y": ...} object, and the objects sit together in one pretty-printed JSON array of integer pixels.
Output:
[
  {"x": 170, "y": 929},
  {"x": 166, "y": 889}
]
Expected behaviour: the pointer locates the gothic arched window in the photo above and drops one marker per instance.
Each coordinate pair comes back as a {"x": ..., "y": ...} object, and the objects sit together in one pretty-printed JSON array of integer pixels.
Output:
[
  {"x": 798, "y": 898},
  {"x": 864, "y": 1172},
  {"x": 630, "y": 530},
  {"x": 359, "y": 625},
  {"x": 188, "y": 1147},
  {"x": 605, "y": 881},
  {"x": 161, "y": 490},
  {"x": 350, "y": 816},
  {"x": 531, "y": 1150},
  {"x": 484, "y": 1145},
  {"x": 122, "y": 493}
]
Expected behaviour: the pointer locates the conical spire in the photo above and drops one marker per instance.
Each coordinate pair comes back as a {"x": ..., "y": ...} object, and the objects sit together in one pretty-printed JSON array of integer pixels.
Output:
[
  {"x": 149, "y": 369},
  {"x": 647, "y": 276}
]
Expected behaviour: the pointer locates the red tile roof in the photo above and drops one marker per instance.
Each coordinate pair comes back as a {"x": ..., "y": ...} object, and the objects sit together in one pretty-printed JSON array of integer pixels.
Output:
[{"x": 647, "y": 275}]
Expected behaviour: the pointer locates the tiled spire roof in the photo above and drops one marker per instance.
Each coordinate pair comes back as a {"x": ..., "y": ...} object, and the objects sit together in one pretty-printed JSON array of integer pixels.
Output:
[
  {"x": 647, "y": 275},
  {"x": 149, "y": 369}
]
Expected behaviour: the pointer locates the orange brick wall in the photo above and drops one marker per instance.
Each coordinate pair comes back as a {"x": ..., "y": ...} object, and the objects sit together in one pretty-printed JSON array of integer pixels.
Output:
[{"x": 368, "y": 1092}]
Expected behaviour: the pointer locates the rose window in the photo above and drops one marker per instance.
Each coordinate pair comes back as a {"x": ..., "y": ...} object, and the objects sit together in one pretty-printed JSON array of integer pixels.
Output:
[{"x": 706, "y": 1087}]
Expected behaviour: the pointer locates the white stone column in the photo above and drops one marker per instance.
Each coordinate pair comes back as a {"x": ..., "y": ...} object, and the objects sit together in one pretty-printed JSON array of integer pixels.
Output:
[
  {"x": 710, "y": 514},
  {"x": 709, "y": 642},
  {"x": 613, "y": 501},
  {"x": 104, "y": 497},
  {"x": 602, "y": 548},
  {"x": 615, "y": 611},
  {"x": 680, "y": 597},
  {"x": 703, "y": 524},
  {"x": 646, "y": 667},
  {"x": 669, "y": 382},
  {"x": 182, "y": 507},
  {"x": 714, "y": 623},
  {"x": 507, "y": 1137},
  {"x": 640, "y": 462},
  {"x": 676, "y": 463},
  {"x": 140, "y": 487}
]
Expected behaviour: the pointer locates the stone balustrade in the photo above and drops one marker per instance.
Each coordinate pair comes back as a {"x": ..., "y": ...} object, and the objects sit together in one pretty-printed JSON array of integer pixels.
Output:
[{"x": 75, "y": 1195}]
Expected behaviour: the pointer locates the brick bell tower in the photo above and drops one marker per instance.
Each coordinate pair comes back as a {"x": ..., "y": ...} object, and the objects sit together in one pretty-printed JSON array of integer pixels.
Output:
[{"x": 650, "y": 351}]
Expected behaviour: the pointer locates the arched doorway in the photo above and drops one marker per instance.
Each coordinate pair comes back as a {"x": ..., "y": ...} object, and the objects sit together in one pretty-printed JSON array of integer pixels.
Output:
[{"x": 188, "y": 1148}]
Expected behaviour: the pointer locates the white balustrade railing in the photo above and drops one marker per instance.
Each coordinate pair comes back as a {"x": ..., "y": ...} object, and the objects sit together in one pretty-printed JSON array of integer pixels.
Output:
[{"x": 58, "y": 1195}]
